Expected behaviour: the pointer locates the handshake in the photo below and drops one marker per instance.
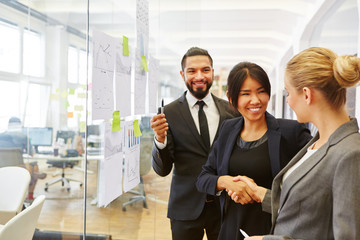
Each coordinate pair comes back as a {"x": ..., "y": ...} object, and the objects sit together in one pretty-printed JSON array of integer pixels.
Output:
[{"x": 242, "y": 189}]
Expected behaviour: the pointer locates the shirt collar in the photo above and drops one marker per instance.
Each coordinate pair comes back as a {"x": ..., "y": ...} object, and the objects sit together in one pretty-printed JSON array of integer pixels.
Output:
[{"x": 192, "y": 100}]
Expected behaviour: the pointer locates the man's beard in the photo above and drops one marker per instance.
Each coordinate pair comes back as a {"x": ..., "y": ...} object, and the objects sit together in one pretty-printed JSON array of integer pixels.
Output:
[{"x": 199, "y": 94}]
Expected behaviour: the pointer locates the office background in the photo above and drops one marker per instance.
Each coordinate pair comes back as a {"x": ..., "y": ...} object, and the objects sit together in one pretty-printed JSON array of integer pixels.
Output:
[{"x": 44, "y": 79}]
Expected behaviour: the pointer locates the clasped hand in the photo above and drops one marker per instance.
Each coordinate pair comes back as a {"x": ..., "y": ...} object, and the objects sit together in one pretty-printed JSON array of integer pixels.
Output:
[{"x": 244, "y": 190}]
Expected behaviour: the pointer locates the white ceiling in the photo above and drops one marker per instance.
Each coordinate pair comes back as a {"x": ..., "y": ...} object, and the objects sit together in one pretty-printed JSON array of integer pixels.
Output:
[{"x": 262, "y": 31}]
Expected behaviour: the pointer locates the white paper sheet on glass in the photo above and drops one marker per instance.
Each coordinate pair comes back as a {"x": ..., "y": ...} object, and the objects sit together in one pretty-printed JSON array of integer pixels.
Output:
[
  {"x": 140, "y": 87},
  {"x": 154, "y": 74},
  {"x": 123, "y": 81},
  {"x": 111, "y": 171},
  {"x": 103, "y": 75},
  {"x": 142, "y": 27},
  {"x": 132, "y": 158}
]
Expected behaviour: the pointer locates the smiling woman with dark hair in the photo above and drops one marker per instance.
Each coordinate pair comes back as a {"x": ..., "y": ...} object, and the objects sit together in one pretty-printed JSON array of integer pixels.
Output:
[{"x": 256, "y": 145}]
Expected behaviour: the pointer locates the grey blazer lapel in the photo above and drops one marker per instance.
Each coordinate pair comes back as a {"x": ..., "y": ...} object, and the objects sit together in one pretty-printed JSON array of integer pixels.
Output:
[
  {"x": 278, "y": 195},
  {"x": 302, "y": 170},
  {"x": 188, "y": 119}
]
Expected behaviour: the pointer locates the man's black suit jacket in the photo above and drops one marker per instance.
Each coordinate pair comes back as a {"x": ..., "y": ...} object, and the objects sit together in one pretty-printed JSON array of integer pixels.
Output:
[{"x": 187, "y": 153}]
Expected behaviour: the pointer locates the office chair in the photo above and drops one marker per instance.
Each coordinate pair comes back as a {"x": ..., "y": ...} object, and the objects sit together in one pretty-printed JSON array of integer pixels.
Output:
[
  {"x": 145, "y": 166},
  {"x": 65, "y": 181},
  {"x": 64, "y": 163},
  {"x": 11, "y": 156},
  {"x": 22, "y": 226},
  {"x": 14, "y": 184}
]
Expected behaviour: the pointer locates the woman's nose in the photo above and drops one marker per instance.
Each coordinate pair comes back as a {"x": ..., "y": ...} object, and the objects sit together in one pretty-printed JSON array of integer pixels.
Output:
[{"x": 254, "y": 98}]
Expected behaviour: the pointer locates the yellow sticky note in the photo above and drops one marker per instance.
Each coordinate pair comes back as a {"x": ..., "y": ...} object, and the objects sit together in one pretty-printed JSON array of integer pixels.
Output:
[
  {"x": 82, "y": 126},
  {"x": 64, "y": 94},
  {"x": 57, "y": 90},
  {"x": 125, "y": 46},
  {"x": 116, "y": 121},
  {"x": 54, "y": 97},
  {"x": 78, "y": 108},
  {"x": 71, "y": 91},
  {"x": 144, "y": 63},
  {"x": 81, "y": 95},
  {"x": 70, "y": 114},
  {"x": 137, "y": 130}
]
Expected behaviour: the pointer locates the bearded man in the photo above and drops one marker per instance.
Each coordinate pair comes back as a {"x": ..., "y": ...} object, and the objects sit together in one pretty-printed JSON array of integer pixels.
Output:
[{"x": 184, "y": 133}]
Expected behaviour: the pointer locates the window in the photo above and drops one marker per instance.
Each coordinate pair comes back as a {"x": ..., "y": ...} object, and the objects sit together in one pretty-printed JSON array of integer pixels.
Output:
[
  {"x": 9, "y": 48},
  {"x": 82, "y": 67},
  {"x": 37, "y": 105},
  {"x": 73, "y": 65},
  {"x": 76, "y": 65},
  {"x": 10, "y": 102},
  {"x": 33, "y": 54}
]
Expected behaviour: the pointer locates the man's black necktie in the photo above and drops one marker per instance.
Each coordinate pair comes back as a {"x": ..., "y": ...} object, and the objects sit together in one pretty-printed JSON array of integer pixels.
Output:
[{"x": 204, "y": 129}]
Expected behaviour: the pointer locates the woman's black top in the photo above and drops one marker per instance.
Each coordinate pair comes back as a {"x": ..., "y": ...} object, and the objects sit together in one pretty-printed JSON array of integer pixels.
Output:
[{"x": 249, "y": 159}]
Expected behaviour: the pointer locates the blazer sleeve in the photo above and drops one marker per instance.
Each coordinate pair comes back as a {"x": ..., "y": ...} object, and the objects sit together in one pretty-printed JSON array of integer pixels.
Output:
[
  {"x": 162, "y": 160},
  {"x": 266, "y": 203},
  {"x": 346, "y": 197}
]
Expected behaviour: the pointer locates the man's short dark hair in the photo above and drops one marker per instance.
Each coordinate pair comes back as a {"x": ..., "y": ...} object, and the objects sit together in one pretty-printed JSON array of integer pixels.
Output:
[{"x": 195, "y": 51}]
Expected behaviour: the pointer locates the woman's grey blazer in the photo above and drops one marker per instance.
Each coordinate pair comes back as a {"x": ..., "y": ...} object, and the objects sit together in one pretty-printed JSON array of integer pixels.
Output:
[{"x": 321, "y": 198}]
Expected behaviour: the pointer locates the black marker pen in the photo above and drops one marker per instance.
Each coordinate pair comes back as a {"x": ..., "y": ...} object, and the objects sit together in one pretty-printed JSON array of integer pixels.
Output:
[{"x": 161, "y": 109}]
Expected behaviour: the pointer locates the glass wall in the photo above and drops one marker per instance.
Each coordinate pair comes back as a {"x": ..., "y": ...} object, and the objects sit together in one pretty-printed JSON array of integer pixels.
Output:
[{"x": 67, "y": 67}]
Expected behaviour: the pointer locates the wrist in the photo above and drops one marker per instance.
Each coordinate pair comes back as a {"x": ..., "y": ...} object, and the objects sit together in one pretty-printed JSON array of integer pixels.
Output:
[
  {"x": 160, "y": 139},
  {"x": 221, "y": 183}
]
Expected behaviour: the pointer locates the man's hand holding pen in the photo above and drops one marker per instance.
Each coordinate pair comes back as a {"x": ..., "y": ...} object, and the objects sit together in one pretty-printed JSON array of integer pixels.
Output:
[{"x": 160, "y": 126}]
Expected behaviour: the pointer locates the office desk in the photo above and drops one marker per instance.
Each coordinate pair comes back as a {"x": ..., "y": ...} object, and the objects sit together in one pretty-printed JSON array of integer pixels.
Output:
[
  {"x": 43, "y": 157},
  {"x": 52, "y": 157}
]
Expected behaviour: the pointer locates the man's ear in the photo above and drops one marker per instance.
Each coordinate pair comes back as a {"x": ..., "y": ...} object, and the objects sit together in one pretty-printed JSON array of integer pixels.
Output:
[
  {"x": 182, "y": 75},
  {"x": 308, "y": 95}
]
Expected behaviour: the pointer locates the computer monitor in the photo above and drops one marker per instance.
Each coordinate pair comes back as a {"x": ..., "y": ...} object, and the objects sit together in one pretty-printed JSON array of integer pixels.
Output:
[
  {"x": 39, "y": 136},
  {"x": 93, "y": 130},
  {"x": 65, "y": 135}
]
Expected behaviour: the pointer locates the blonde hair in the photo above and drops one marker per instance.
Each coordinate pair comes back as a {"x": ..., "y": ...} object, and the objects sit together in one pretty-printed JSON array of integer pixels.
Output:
[{"x": 322, "y": 69}]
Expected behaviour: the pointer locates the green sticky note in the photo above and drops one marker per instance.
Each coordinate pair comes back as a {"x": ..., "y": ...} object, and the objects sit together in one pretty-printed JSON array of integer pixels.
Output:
[
  {"x": 137, "y": 130},
  {"x": 64, "y": 94},
  {"x": 144, "y": 63},
  {"x": 71, "y": 91},
  {"x": 125, "y": 46},
  {"x": 116, "y": 121},
  {"x": 67, "y": 104},
  {"x": 82, "y": 126}
]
